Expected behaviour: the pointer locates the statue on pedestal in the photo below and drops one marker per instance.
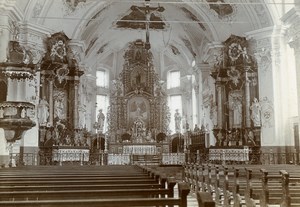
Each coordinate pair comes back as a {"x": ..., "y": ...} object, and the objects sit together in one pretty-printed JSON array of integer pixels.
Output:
[
  {"x": 100, "y": 120},
  {"x": 177, "y": 117},
  {"x": 255, "y": 115},
  {"x": 43, "y": 112}
]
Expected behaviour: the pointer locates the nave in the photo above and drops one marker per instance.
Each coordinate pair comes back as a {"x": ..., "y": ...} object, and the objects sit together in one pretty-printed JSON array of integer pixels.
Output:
[
  {"x": 190, "y": 185},
  {"x": 121, "y": 97}
]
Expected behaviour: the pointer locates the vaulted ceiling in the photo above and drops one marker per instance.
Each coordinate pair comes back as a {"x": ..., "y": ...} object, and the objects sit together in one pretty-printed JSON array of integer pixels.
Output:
[{"x": 179, "y": 32}]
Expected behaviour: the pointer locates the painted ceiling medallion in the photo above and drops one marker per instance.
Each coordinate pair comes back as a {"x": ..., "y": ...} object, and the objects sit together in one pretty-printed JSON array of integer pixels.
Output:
[{"x": 222, "y": 9}]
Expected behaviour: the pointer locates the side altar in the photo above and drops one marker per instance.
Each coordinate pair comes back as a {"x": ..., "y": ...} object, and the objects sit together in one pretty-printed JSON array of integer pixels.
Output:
[{"x": 138, "y": 110}]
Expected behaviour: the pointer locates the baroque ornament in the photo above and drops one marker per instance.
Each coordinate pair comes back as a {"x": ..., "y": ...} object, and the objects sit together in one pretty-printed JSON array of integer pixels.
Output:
[
  {"x": 58, "y": 50},
  {"x": 234, "y": 51},
  {"x": 234, "y": 75},
  {"x": 263, "y": 58},
  {"x": 267, "y": 112}
]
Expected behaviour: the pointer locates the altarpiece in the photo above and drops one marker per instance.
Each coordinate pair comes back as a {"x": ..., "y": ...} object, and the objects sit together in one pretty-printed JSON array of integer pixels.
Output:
[{"x": 138, "y": 105}]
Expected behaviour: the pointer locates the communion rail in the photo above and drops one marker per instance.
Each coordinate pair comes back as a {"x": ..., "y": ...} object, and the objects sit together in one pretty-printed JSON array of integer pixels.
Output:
[{"x": 83, "y": 158}]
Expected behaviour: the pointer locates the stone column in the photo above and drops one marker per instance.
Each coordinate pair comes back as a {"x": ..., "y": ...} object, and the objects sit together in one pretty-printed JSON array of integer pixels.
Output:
[
  {"x": 4, "y": 33},
  {"x": 296, "y": 45},
  {"x": 51, "y": 105},
  {"x": 76, "y": 84},
  {"x": 220, "y": 108},
  {"x": 78, "y": 48},
  {"x": 203, "y": 71},
  {"x": 247, "y": 100}
]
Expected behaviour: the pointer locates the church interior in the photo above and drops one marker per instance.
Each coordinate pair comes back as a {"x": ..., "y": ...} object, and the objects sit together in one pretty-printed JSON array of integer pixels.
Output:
[{"x": 184, "y": 84}]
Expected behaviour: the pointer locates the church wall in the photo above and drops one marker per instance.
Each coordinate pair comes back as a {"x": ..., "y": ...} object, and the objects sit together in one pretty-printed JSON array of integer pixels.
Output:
[
  {"x": 269, "y": 49},
  {"x": 274, "y": 96}
]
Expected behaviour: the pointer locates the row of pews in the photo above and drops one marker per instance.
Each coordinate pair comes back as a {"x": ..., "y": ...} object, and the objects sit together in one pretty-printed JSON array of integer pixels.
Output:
[
  {"x": 79, "y": 186},
  {"x": 244, "y": 185}
]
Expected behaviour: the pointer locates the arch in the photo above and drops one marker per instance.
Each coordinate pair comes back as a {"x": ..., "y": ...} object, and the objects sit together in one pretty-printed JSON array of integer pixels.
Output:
[
  {"x": 177, "y": 144},
  {"x": 98, "y": 144}
]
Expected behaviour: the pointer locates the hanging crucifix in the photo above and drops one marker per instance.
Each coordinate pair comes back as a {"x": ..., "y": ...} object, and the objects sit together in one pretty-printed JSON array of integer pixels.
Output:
[{"x": 148, "y": 11}]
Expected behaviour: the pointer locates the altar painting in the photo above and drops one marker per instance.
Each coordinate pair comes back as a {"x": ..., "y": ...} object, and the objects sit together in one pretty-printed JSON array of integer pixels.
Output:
[
  {"x": 138, "y": 108},
  {"x": 60, "y": 104}
]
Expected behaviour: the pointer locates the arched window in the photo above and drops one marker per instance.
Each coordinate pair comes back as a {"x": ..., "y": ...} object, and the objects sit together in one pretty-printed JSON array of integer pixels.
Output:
[
  {"x": 102, "y": 78},
  {"x": 173, "y": 79}
]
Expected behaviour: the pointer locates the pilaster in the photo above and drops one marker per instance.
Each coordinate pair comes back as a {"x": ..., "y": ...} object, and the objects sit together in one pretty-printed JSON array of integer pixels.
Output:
[
  {"x": 268, "y": 46},
  {"x": 291, "y": 20},
  {"x": 9, "y": 16}
]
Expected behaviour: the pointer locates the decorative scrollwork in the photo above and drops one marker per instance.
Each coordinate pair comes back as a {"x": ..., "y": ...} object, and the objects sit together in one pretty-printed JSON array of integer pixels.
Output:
[
  {"x": 234, "y": 51},
  {"x": 58, "y": 50},
  {"x": 62, "y": 72}
]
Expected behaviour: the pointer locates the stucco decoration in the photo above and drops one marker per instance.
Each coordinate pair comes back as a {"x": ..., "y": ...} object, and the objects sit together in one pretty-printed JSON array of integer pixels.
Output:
[
  {"x": 193, "y": 17},
  {"x": 263, "y": 57},
  {"x": 188, "y": 44},
  {"x": 38, "y": 8},
  {"x": 91, "y": 44},
  {"x": 102, "y": 48},
  {"x": 15, "y": 29},
  {"x": 267, "y": 112},
  {"x": 262, "y": 13},
  {"x": 174, "y": 50},
  {"x": 97, "y": 15},
  {"x": 73, "y": 5},
  {"x": 216, "y": 59}
]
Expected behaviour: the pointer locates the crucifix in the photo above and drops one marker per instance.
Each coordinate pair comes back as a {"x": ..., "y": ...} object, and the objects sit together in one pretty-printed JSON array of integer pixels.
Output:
[{"x": 148, "y": 11}]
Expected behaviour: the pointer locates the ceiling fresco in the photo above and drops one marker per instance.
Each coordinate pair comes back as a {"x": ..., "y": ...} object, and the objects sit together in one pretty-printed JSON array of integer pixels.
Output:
[{"x": 181, "y": 30}]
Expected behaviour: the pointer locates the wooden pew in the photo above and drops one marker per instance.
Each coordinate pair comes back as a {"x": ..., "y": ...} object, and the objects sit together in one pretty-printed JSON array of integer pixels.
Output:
[
  {"x": 119, "y": 201},
  {"x": 55, "y": 190},
  {"x": 239, "y": 185}
]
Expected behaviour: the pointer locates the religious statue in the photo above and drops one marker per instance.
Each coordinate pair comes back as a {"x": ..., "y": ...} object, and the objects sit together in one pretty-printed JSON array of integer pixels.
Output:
[
  {"x": 43, "y": 112},
  {"x": 235, "y": 105},
  {"x": 59, "y": 108},
  {"x": 177, "y": 117},
  {"x": 23, "y": 113},
  {"x": 100, "y": 121},
  {"x": 196, "y": 128},
  {"x": 255, "y": 115}
]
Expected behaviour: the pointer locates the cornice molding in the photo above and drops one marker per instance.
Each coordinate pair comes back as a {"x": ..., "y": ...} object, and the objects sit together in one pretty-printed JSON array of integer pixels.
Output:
[
  {"x": 9, "y": 8},
  {"x": 33, "y": 34},
  {"x": 260, "y": 33}
]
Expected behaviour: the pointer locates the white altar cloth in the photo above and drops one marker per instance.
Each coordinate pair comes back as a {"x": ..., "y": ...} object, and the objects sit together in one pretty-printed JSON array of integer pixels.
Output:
[
  {"x": 139, "y": 149},
  {"x": 63, "y": 155}
]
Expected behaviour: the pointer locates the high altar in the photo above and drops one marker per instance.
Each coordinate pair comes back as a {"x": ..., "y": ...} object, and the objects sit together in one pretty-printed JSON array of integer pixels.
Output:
[{"x": 138, "y": 109}]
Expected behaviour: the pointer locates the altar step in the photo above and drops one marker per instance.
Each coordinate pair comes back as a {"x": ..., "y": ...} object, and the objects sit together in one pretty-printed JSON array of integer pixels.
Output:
[{"x": 147, "y": 160}]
